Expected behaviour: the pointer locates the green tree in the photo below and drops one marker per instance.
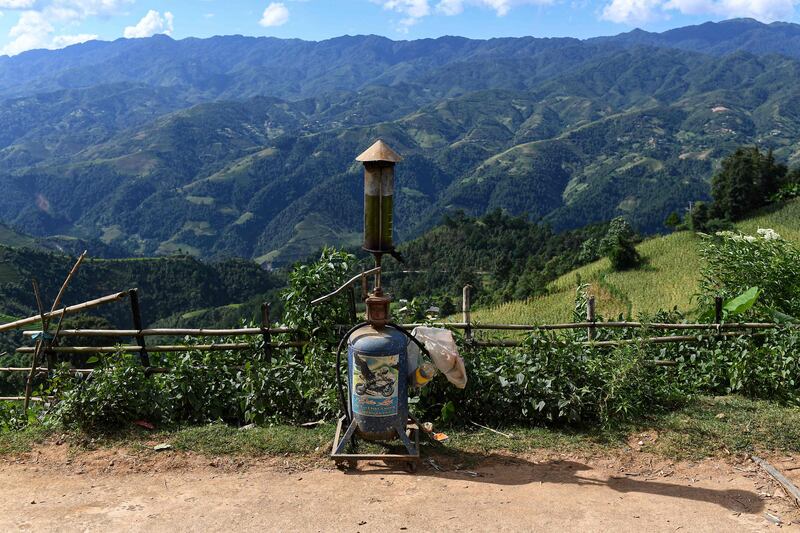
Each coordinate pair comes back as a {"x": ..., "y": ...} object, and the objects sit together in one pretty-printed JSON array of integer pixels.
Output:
[
  {"x": 619, "y": 245},
  {"x": 699, "y": 217},
  {"x": 746, "y": 181},
  {"x": 672, "y": 221}
]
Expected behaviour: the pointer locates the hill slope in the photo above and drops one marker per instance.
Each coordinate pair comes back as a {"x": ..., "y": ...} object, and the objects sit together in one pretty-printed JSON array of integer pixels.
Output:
[
  {"x": 669, "y": 279},
  {"x": 167, "y": 286},
  {"x": 235, "y": 146}
]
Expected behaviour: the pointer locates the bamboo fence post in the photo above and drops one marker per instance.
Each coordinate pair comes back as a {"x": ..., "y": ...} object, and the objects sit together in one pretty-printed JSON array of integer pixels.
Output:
[
  {"x": 51, "y": 356},
  {"x": 39, "y": 344},
  {"x": 718, "y": 311},
  {"x": 466, "y": 313},
  {"x": 136, "y": 314},
  {"x": 70, "y": 275},
  {"x": 590, "y": 318},
  {"x": 46, "y": 323},
  {"x": 265, "y": 333}
]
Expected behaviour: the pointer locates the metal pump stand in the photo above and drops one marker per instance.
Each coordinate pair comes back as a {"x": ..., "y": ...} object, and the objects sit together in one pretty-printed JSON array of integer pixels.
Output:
[{"x": 376, "y": 405}]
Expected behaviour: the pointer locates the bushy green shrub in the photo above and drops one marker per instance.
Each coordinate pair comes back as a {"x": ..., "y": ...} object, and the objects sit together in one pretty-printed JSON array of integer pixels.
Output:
[
  {"x": 765, "y": 367},
  {"x": 736, "y": 262},
  {"x": 619, "y": 244},
  {"x": 553, "y": 380},
  {"x": 13, "y": 416},
  {"x": 117, "y": 393},
  {"x": 306, "y": 283},
  {"x": 282, "y": 392},
  {"x": 203, "y": 386}
]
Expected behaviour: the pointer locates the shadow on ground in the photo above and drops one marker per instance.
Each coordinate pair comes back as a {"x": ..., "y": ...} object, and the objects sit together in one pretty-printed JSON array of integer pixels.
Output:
[{"x": 503, "y": 470}]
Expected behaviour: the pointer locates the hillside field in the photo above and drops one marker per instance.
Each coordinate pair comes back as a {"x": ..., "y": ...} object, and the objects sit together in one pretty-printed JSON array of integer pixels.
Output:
[{"x": 669, "y": 278}]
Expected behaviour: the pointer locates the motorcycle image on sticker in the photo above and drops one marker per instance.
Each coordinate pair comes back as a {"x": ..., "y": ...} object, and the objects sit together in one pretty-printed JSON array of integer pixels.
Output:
[{"x": 374, "y": 376}]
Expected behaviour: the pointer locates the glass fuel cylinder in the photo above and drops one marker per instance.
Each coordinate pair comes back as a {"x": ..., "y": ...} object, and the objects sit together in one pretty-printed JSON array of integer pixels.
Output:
[
  {"x": 379, "y": 161},
  {"x": 378, "y": 206}
]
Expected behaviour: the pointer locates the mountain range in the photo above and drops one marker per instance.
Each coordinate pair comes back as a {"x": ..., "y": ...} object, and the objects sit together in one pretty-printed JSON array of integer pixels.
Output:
[{"x": 241, "y": 146}]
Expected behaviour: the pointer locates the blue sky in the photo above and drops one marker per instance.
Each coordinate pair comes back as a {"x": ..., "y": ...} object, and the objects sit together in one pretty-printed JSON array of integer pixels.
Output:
[{"x": 29, "y": 24}]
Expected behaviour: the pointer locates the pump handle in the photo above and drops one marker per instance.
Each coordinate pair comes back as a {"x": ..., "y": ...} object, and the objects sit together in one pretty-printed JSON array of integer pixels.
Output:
[{"x": 355, "y": 278}]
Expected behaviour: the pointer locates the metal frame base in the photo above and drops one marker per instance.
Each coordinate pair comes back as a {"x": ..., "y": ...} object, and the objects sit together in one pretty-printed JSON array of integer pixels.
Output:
[{"x": 411, "y": 443}]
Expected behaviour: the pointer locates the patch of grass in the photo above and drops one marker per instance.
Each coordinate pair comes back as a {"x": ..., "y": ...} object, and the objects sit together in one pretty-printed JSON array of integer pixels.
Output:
[
  {"x": 526, "y": 439},
  {"x": 716, "y": 426},
  {"x": 13, "y": 442},
  {"x": 219, "y": 439},
  {"x": 669, "y": 279},
  {"x": 706, "y": 427}
]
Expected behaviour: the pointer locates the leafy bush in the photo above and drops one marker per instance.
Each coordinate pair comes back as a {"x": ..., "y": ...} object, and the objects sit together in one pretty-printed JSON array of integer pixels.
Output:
[
  {"x": 203, "y": 386},
  {"x": 13, "y": 416},
  {"x": 285, "y": 392},
  {"x": 619, "y": 245},
  {"x": 117, "y": 393},
  {"x": 763, "y": 368},
  {"x": 306, "y": 283},
  {"x": 551, "y": 380},
  {"x": 736, "y": 262}
]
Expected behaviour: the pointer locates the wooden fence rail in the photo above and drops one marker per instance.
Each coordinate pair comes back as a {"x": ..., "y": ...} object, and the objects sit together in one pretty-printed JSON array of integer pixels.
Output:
[
  {"x": 706, "y": 331},
  {"x": 65, "y": 311},
  {"x": 168, "y": 332}
]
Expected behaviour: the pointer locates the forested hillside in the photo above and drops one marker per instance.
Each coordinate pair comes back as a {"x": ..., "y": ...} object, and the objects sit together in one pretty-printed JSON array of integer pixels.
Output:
[
  {"x": 167, "y": 286},
  {"x": 500, "y": 256},
  {"x": 179, "y": 148}
]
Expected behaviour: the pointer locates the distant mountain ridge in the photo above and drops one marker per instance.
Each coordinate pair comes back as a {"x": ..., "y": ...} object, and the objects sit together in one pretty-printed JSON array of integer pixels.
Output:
[
  {"x": 239, "y": 146},
  {"x": 719, "y": 38}
]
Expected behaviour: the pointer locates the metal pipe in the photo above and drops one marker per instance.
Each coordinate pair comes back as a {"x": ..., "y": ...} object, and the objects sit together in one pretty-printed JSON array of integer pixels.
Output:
[{"x": 352, "y": 280}]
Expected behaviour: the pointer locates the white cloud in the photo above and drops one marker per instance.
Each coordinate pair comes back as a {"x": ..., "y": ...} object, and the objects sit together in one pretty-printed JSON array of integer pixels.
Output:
[
  {"x": 632, "y": 11},
  {"x": 450, "y": 7},
  {"x": 500, "y": 7},
  {"x": 763, "y": 10},
  {"x": 640, "y": 11},
  {"x": 41, "y": 22},
  {"x": 17, "y": 4},
  {"x": 151, "y": 24},
  {"x": 32, "y": 30},
  {"x": 276, "y": 14},
  {"x": 413, "y": 11}
]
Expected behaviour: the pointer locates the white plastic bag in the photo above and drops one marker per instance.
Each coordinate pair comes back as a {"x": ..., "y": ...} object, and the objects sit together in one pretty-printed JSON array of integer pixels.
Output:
[{"x": 444, "y": 353}]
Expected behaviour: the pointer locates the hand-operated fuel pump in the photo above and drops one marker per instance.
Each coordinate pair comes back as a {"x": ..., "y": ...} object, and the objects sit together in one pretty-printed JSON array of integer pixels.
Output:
[{"x": 376, "y": 405}]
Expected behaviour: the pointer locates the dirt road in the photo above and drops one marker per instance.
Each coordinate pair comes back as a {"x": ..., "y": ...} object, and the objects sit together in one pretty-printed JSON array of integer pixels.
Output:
[{"x": 53, "y": 490}]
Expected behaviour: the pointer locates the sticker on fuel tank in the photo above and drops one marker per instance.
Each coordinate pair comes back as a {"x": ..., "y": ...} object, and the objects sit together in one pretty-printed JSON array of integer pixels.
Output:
[{"x": 375, "y": 380}]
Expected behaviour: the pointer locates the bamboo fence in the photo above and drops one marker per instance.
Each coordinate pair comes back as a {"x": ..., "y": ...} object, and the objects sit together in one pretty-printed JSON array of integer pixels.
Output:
[{"x": 706, "y": 331}]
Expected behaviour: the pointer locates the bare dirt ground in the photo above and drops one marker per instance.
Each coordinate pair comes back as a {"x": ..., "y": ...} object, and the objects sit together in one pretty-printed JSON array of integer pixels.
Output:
[{"x": 52, "y": 489}]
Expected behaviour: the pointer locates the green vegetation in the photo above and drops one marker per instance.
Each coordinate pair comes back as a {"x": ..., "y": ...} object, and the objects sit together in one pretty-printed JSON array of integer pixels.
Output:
[
  {"x": 765, "y": 264},
  {"x": 706, "y": 427},
  {"x": 556, "y": 130},
  {"x": 670, "y": 277},
  {"x": 550, "y": 379},
  {"x": 503, "y": 257},
  {"x": 167, "y": 286},
  {"x": 619, "y": 245},
  {"x": 746, "y": 181}
]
